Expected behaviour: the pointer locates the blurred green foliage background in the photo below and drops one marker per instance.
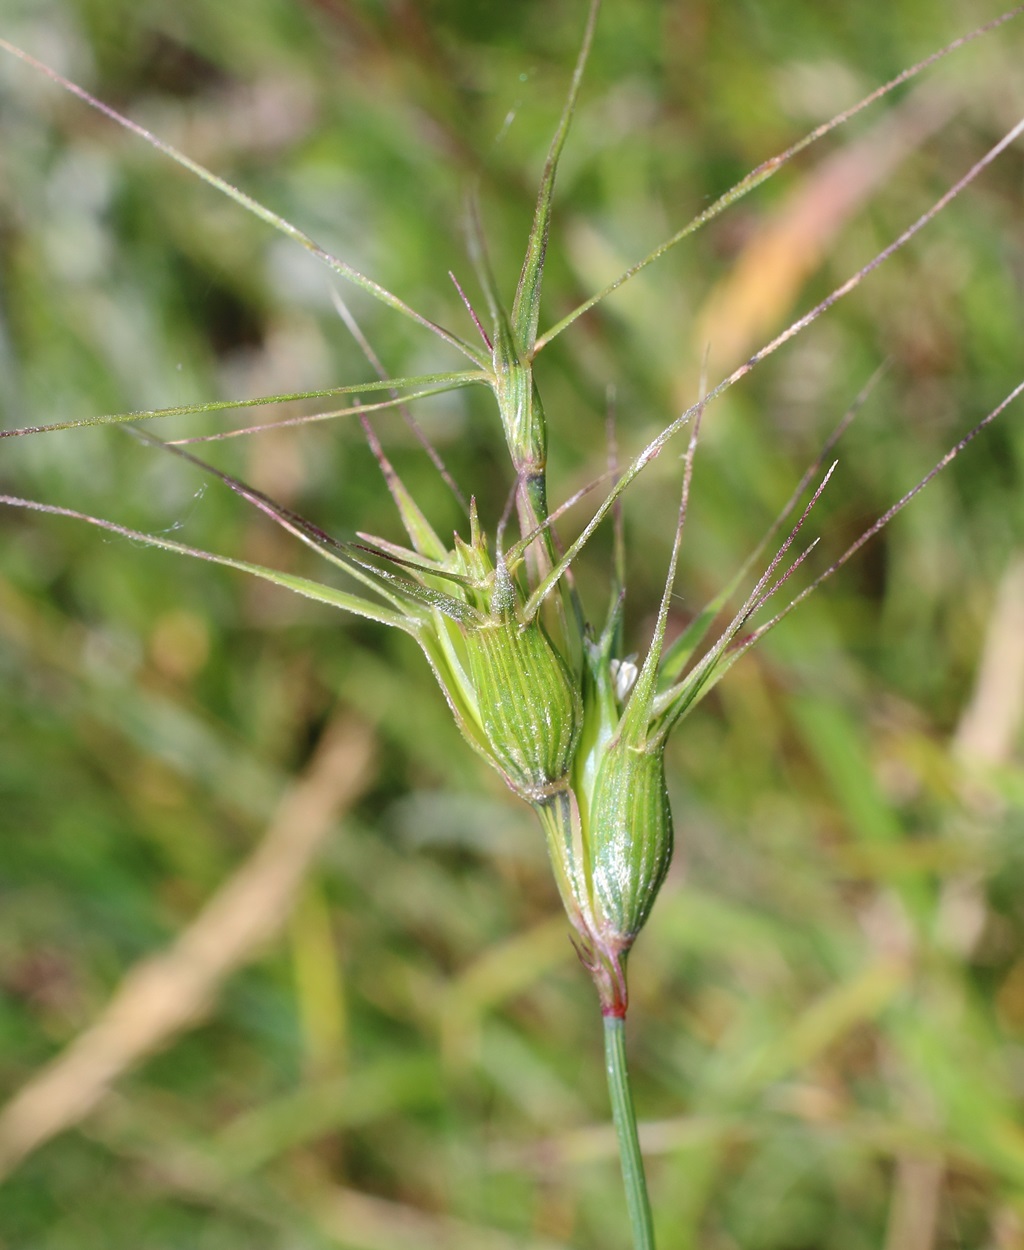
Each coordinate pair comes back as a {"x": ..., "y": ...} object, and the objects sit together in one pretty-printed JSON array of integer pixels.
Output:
[{"x": 828, "y": 1004}]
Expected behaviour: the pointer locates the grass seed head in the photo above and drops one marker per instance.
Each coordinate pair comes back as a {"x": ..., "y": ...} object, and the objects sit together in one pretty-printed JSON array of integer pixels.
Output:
[{"x": 569, "y": 722}]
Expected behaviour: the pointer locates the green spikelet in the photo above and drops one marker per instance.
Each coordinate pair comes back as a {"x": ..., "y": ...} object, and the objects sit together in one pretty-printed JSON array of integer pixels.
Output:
[
  {"x": 528, "y": 706},
  {"x": 630, "y": 837}
]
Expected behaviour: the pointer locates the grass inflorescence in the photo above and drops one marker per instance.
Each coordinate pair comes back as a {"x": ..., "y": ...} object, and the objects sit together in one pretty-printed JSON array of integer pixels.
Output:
[{"x": 573, "y": 720}]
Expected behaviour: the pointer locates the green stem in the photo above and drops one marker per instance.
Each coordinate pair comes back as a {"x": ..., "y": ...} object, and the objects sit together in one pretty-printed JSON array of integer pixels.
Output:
[{"x": 625, "y": 1127}]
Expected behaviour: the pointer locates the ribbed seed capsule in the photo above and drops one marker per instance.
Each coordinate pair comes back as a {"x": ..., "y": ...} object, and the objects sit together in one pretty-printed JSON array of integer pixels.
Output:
[
  {"x": 630, "y": 837},
  {"x": 527, "y": 706}
]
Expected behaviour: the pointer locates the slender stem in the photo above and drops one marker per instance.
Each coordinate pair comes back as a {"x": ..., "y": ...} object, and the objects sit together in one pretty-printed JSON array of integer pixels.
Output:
[{"x": 625, "y": 1127}]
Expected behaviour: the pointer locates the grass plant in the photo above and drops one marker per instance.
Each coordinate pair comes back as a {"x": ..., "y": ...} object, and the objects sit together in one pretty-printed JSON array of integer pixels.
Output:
[{"x": 889, "y": 914}]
